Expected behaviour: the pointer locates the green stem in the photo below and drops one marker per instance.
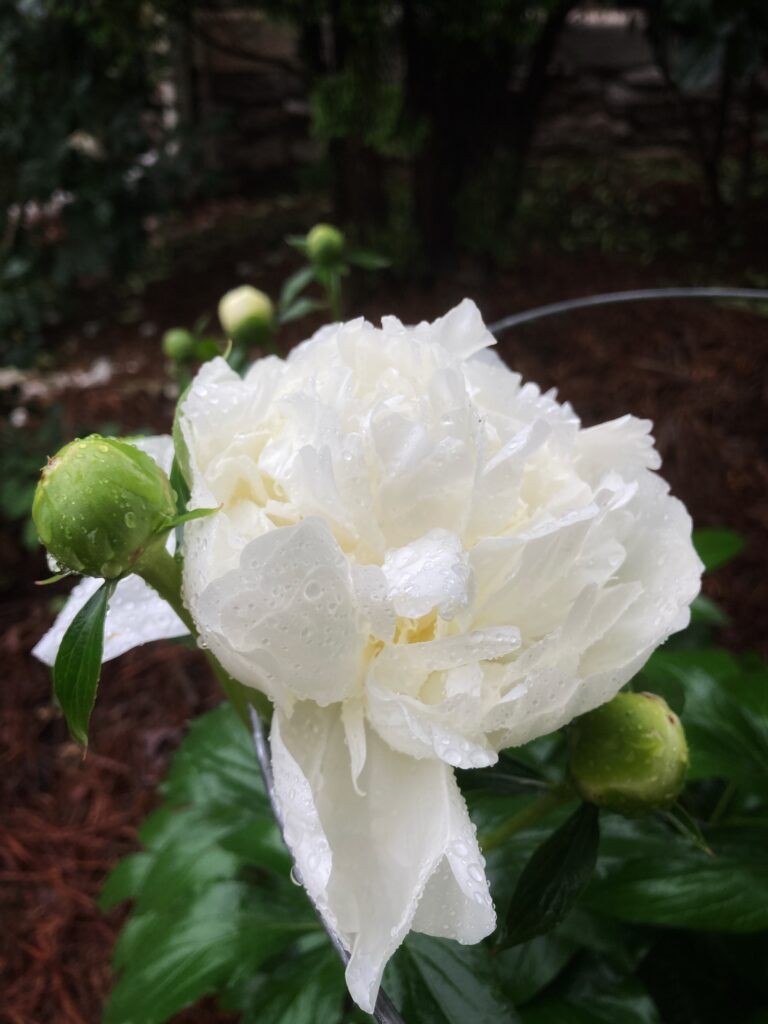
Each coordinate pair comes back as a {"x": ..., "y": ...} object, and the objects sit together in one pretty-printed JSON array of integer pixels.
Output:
[
  {"x": 334, "y": 295},
  {"x": 529, "y": 815},
  {"x": 722, "y": 804},
  {"x": 163, "y": 573}
]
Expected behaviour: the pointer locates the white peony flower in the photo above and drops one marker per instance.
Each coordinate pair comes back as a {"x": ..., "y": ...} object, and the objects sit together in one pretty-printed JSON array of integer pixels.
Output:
[{"x": 420, "y": 560}]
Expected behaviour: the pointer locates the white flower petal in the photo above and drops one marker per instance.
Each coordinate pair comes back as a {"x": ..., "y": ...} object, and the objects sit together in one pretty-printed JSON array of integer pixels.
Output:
[
  {"x": 403, "y": 855},
  {"x": 431, "y": 572},
  {"x": 285, "y": 620},
  {"x": 136, "y": 615}
]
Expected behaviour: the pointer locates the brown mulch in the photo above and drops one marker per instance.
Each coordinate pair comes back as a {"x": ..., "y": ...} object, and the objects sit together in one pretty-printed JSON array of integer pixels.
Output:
[{"x": 698, "y": 370}]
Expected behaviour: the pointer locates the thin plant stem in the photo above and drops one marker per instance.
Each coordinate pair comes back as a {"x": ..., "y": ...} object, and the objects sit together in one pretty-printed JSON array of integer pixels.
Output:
[{"x": 722, "y": 804}]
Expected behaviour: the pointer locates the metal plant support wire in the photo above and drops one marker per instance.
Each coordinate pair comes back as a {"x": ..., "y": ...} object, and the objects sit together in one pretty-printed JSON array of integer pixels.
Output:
[
  {"x": 610, "y": 298},
  {"x": 385, "y": 1012}
]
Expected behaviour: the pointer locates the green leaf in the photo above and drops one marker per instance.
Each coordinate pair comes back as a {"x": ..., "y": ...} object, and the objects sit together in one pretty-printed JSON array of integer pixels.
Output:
[
  {"x": 125, "y": 880},
  {"x": 168, "y": 961},
  {"x": 298, "y": 309},
  {"x": 436, "y": 981},
  {"x": 367, "y": 260},
  {"x": 187, "y": 517},
  {"x": 296, "y": 283},
  {"x": 554, "y": 877},
  {"x": 78, "y": 662},
  {"x": 216, "y": 764},
  {"x": 717, "y": 547},
  {"x": 725, "y": 714},
  {"x": 186, "y": 866},
  {"x": 595, "y": 995},
  {"x": 179, "y": 484},
  {"x": 310, "y": 987},
  {"x": 57, "y": 578},
  {"x": 648, "y": 876},
  {"x": 508, "y": 775},
  {"x": 297, "y": 241},
  {"x": 706, "y": 612},
  {"x": 529, "y": 967}
]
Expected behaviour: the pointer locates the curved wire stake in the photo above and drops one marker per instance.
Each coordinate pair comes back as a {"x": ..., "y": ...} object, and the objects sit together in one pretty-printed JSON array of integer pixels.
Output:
[
  {"x": 385, "y": 1011},
  {"x": 609, "y": 298}
]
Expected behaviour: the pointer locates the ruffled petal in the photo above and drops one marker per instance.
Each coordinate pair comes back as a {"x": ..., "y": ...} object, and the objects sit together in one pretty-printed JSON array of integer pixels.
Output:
[
  {"x": 403, "y": 855},
  {"x": 431, "y": 572},
  {"x": 286, "y": 619}
]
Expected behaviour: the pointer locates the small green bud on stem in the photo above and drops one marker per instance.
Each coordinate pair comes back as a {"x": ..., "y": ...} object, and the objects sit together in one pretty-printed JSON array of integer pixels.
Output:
[
  {"x": 325, "y": 245},
  {"x": 630, "y": 755},
  {"x": 101, "y": 505},
  {"x": 178, "y": 344},
  {"x": 247, "y": 315}
]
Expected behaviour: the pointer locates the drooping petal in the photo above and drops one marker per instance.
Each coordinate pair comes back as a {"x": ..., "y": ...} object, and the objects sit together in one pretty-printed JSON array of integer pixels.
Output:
[
  {"x": 137, "y": 615},
  {"x": 399, "y": 854}
]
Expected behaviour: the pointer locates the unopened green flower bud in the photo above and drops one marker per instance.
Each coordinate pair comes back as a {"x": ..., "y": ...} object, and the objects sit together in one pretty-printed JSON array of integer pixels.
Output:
[
  {"x": 630, "y": 755},
  {"x": 178, "y": 344},
  {"x": 247, "y": 315},
  {"x": 100, "y": 505},
  {"x": 325, "y": 245}
]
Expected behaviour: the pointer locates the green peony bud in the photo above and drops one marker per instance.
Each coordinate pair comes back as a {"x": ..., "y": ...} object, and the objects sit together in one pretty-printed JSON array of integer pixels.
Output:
[
  {"x": 630, "y": 755},
  {"x": 325, "y": 245},
  {"x": 101, "y": 503},
  {"x": 178, "y": 344},
  {"x": 247, "y": 315}
]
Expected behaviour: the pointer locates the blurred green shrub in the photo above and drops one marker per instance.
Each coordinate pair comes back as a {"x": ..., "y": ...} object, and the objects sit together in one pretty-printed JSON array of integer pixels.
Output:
[{"x": 88, "y": 152}]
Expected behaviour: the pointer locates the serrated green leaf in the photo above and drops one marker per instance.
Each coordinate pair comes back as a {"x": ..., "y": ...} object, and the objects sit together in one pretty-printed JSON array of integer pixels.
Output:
[
  {"x": 436, "y": 981},
  {"x": 554, "y": 877},
  {"x": 77, "y": 668},
  {"x": 717, "y": 547}
]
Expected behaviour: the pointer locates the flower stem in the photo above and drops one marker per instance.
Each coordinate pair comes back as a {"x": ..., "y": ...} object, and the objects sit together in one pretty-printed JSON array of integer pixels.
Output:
[
  {"x": 334, "y": 295},
  {"x": 163, "y": 573},
  {"x": 529, "y": 815}
]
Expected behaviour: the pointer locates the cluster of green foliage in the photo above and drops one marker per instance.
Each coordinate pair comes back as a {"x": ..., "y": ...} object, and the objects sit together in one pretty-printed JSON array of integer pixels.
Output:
[
  {"x": 87, "y": 153},
  {"x": 615, "y": 921}
]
